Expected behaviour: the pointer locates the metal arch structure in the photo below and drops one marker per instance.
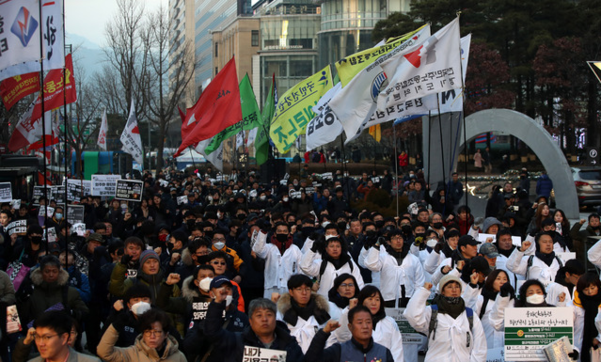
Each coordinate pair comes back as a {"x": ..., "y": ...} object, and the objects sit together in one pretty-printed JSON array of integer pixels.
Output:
[{"x": 509, "y": 122}]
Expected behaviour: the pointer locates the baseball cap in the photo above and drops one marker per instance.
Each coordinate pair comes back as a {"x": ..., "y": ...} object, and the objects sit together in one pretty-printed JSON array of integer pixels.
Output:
[
  {"x": 489, "y": 250},
  {"x": 467, "y": 240},
  {"x": 219, "y": 281},
  {"x": 480, "y": 265}
]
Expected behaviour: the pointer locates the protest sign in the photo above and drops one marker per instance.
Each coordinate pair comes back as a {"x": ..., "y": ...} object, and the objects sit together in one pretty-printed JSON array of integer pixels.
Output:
[
  {"x": 58, "y": 193},
  {"x": 6, "y": 192},
  {"x": 252, "y": 354},
  {"x": 310, "y": 190},
  {"x": 529, "y": 330},
  {"x": 51, "y": 235},
  {"x": 79, "y": 229},
  {"x": 182, "y": 200},
  {"x": 410, "y": 336},
  {"x": 17, "y": 227},
  {"x": 43, "y": 209},
  {"x": 75, "y": 214},
  {"x": 76, "y": 189},
  {"x": 38, "y": 192},
  {"x": 15, "y": 204},
  {"x": 130, "y": 190},
  {"x": 515, "y": 240},
  {"x": 104, "y": 185}
]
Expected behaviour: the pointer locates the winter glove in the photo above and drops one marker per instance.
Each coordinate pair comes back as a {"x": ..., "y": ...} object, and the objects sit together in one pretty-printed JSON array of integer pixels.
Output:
[
  {"x": 125, "y": 259},
  {"x": 574, "y": 355},
  {"x": 507, "y": 290},
  {"x": 318, "y": 244}
]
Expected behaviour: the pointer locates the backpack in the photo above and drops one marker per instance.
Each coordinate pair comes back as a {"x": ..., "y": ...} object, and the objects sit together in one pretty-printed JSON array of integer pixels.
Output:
[
  {"x": 531, "y": 257},
  {"x": 434, "y": 320}
]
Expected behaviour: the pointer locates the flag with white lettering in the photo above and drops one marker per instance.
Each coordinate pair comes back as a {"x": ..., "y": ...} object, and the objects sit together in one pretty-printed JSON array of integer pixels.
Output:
[
  {"x": 104, "y": 128},
  {"x": 130, "y": 138},
  {"x": 325, "y": 127}
]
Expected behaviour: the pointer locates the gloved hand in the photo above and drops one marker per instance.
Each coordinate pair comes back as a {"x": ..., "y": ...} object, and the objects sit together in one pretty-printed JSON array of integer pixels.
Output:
[
  {"x": 318, "y": 244},
  {"x": 125, "y": 259},
  {"x": 507, "y": 290},
  {"x": 478, "y": 221},
  {"x": 574, "y": 355}
]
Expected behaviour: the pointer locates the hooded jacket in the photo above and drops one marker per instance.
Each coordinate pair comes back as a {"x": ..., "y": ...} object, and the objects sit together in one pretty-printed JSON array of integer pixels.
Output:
[
  {"x": 139, "y": 352},
  {"x": 45, "y": 295},
  {"x": 278, "y": 267}
]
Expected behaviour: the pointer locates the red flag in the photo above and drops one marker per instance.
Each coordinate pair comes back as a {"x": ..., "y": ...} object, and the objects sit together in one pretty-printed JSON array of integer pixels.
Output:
[
  {"x": 181, "y": 114},
  {"x": 53, "y": 89},
  {"x": 217, "y": 108},
  {"x": 15, "y": 88}
]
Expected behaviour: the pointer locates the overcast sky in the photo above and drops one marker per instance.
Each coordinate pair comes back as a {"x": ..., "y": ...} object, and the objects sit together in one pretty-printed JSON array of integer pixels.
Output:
[{"x": 87, "y": 18}]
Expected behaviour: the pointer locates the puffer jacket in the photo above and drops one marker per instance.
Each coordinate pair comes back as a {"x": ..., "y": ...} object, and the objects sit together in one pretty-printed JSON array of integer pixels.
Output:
[
  {"x": 139, "y": 352},
  {"x": 45, "y": 295}
]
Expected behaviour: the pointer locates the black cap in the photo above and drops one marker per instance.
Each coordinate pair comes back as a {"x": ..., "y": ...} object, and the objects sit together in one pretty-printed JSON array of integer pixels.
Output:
[
  {"x": 467, "y": 240},
  {"x": 479, "y": 264}
]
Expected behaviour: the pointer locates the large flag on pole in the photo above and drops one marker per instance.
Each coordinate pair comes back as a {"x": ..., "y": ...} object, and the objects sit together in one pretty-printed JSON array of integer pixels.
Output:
[
  {"x": 54, "y": 86},
  {"x": 262, "y": 132},
  {"x": 130, "y": 138},
  {"x": 295, "y": 109},
  {"x": 429, "y": 68},
  {"x": 356, "y": 103},
  {"x": 15, "y": 88},
  {"x": 104, "y": 129},
  {"x": 596, "y": 68},
  {"x": 325, "y": 127},
  {"x": 217, "y": 108},
  {"x": 251, "y": 116},
  {"x": 20, "y": 27},
  {"x": 349, "y": 66}
]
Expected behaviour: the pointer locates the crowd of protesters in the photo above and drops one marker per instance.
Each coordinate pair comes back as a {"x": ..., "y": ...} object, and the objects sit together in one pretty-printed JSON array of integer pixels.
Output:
[{"x": 205, "y": 268}]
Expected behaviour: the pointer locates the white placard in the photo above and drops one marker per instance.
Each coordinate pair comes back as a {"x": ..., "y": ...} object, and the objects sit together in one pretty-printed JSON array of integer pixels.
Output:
[
  {"x": 252, "y": 354},
  {"x": 104, "y": 185},
  {"x": 515, "y": 240},
  {"x": 182, "y": 200},
  {"x": 51, "y": 235},
  {"x": 17, "y": 227},
  {"x": 79, "y": 229},
  {"x": 410, "y": 336},
  {"x": 566, "y": 256},
  {"x": 15, "y": 204},
  {"x": 6, "y": 192}
]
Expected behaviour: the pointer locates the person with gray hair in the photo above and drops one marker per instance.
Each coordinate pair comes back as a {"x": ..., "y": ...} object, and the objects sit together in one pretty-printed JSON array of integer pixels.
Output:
[{"x": 264, "y": 331}]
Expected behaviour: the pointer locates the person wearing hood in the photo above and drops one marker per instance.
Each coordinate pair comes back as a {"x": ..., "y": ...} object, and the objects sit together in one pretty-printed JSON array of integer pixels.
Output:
[
  {"x": 587, "y": 301},
  {"x": 467, "y": 248},
  {"x": 194, "y": 254},
  {"x": 154, "y": 343},
  {"x": 345, "y": 288},
  {"x": 543, "y": 265},
  {"x": 490, "y": 225},
  {"x": 200, "y": 292},
  {"x": 454, "y": 337},
  {"x": 25, "y": 249},
  {"x": 401, "y": 270},
  {"x": 326, "y": 259},
  {"x": 51, "y": 286},
  {"x": 303, "y": 311},
  {"x": 385, "y": 329},
  {"x": 282, "y": 257},
  {"x": 580, "y": 238}
]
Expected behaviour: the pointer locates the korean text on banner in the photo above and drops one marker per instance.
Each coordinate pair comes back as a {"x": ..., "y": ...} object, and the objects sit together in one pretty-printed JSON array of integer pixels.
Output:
[
  {"x": 295, "y": 109},
  {"x": 15, "y": 88},
  {"x": 104, "y": 185},
  {"x": 130, "y": 138},
  {"x": 325, "y": 127},
  {"x": 130, "y": 190},
  {"x": 20, "y": 36},
  {"x": 6, "y": 193}
]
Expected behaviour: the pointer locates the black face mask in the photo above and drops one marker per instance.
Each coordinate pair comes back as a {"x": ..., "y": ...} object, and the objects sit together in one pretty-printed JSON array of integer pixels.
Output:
[
  {"x": 341, "y": 226},
  {"x": 420, "y": 235},
  {"x": 190, "y": 223},
  {"x": 370, "y": 234},
  {"x": 437, "y": 225},
  {"x": 36, "y": 240},
  {"x": 379, "y": 224},
  {"x": 307, "y": 230},
  {"x": 241, "y": 217},
  {"x": 282, "y": 238},
  {"x": 406, "y": 229},
  {"x": 201, "y": 260}
]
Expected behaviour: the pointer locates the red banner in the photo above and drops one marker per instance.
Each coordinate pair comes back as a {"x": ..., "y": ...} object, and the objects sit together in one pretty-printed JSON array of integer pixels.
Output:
[
  {"x": 53, "y": 89},
  {"x": 15, "y": 88}
]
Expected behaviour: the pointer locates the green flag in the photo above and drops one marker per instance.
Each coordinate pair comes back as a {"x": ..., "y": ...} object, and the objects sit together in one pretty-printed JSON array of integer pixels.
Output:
[
  {"x": 251, "y": 116},
  {"x": 262, "y": 141}
]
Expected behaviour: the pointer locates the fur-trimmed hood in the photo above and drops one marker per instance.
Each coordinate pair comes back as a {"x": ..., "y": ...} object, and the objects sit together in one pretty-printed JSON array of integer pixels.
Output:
[
  {"x": 187, "y": 257},
  {"x": 37, "y": 280},
  {"x": 190, "y": 290},
  {"x": 321, "y": 308}
]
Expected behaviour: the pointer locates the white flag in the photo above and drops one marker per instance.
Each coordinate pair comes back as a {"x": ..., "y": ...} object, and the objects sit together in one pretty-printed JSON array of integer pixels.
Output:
[
  {"x": 130, "y": 138},
  {"x": 252, "y": 135},
  {"x": 355, "y": 104},
  {"x": 325, "y": 127},
  {"x": 104, "y": 128},
  {"x": 215, "y": 157},
  {"x": 239, "y": 139},
  {"x": 429, "y": 68},
  {"x": 20, "y": 27}
]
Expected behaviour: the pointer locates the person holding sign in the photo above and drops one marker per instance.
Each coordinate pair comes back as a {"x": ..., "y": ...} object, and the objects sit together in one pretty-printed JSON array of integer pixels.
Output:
[
  {"x": 360, "y": 347},
  {"x": 454, "y": 333},
  {"x": 263, "y": 338}
]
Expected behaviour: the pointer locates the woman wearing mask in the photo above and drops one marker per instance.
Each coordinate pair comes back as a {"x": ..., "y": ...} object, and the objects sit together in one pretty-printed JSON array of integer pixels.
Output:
[
  {"x": 454, "y": 336},
  {"x": 344, "y": 289},
  {"x": 385, "y": 329}
]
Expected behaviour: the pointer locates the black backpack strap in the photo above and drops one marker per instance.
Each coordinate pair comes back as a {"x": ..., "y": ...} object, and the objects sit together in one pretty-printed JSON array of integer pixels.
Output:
[
  {"x": 483, "y": 308},
  {"x": 433, "y": 321}
]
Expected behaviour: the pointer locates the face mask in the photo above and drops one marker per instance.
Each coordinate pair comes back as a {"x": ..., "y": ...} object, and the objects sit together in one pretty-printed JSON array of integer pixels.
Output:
[
  {"x": 163, "y": 237},
  {"x": 328, "y": 237},
  {"x": 432, "y": 243},
  {"x": 285, "y": 199},
  {"x": 307, "y": 230},
  {"x": 295, "y": 184},
  {"x": 201, "y": 260},
  {"x": 205, "y": 284},
  {"x": 219, "y": 245},
  {"x": 263, "y": 198},
  {"x": 370, "y": 234},
  {"x": 437, "y": 225},
  {"x": 190, "y": 223},
  {"x": 406, "y": 229},
  {"x": 325, "y": 223},
  {"x": 282, "y": 238},
  {"x": 210, "y": 198},
  {"x": 140, "y": 308},
  {"x": 219, "y": 215},
  {"x": 420, "y": 235},
  {"x": 124, "y": 207},
  {"x": 341, "y": 225},
  {"x": 58, "y": 216},
  {"x": 535, "y": 299},
  {"x": 36, "y": 240},
  {"x": 228, "y": 300},
  {"x": 241, "y": 217},
  {"x": 379, "y": 224}
]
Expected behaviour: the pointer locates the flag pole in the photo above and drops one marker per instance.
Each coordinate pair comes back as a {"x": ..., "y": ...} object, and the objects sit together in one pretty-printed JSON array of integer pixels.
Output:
[
  {"x": 444, "y": 177},
  {"x": 429, "y": 142},
  {"x": 192, "y": 156},
  {"x": 464, "y": 125},
  {"x": 65, "y": 136},
  {"x": 344, "y": 166},
  {"x": 396, "y": 167},
  {"x": 43, "y": 121}
]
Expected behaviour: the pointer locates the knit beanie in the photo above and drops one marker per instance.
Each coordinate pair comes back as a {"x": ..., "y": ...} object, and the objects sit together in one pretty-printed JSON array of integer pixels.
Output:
[{"x": 148, "y": 254}]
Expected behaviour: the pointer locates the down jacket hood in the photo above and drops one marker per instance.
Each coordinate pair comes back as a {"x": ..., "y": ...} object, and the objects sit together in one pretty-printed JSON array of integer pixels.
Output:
[
  {"x": 37, "y": 279},
  {"x": 320, "y": 311}
]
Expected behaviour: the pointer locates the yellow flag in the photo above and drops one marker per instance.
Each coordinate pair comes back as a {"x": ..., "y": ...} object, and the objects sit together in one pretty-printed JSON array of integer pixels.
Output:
[
  {"x": 294, "y": 109},
  {"x": 376, "y": 132},
  {"x": 351, "y": 65}
]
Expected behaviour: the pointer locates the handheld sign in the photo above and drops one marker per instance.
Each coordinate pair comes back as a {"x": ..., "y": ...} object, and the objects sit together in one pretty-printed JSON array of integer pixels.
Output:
[
  {"x": 75, "y": 214},
  {"x": 410, "y": 336},
  {"x": 17, "y": 227},
  {"x": 104, "y": 185},
  {"x": 130, "y": 190},
  {"x": 6, "y": 193},
  {"x": 256, "y": 354}
]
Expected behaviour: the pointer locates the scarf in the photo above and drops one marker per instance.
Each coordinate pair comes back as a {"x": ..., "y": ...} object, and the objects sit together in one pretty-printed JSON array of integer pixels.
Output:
[
  {"x": 399, "y": 256},
  {"x": 506, "y": 253},
  {"x": 452, "y": 309},
  {"x": 546, "y": 258},
  {"x": 340, "y": 262},
  {"x": 292, "y": 314},
  {"x": 591, "y": 306},
  {"x": 282, "y": 247},
  {"x": 446, "y": 250},
  {"x": 378, "y": 317}
]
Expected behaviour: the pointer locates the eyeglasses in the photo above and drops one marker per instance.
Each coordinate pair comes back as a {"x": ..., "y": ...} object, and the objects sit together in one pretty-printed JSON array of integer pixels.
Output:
[
  {"x": 46, "y": 338},
  {"x": 218, "y": 239},
  {"x": 396, "y": 238},
  {"x": 303, "y": 290},
  {"x": 349, "y": 285},
  {"x": 153, "y": 333},
  {"x": 218, "y": 263}
]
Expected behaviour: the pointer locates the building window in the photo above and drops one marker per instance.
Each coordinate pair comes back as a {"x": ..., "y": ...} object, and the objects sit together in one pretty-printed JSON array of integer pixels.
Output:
[
  {"x": 255, "y": 38},
  {"x": 216, "y": 50},
  {"x": 216, "y": 70}
]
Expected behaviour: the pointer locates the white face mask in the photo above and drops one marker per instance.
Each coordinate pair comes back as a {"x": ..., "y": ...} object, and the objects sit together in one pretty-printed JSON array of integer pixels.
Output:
[
  {"x": 140, "y": 308},
  {"x": 328, "y": 237},
  {"x": 210, "y": 198},
  {"x": 228, "y": 300},
  {"x": 535, "y": 299},
  {"x": 432, "y": 243},
  {"x": 262, "y": 197},
  {"x": 219, "y": 215},
  {"x": 285, "y": 199},
  {"x": 205, "y": 284},
  {"x": 325, "y": 223},
  {"x": 219, "y": 245}
]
